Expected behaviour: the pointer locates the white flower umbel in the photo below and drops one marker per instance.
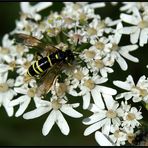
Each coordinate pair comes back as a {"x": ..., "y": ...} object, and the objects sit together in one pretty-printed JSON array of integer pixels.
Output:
[
  {"x": 24, "y": 100},
  {"x": 137, "y": 92},
  {"x": 103, "y": 118},
  {"x": 139, "y": 30},
  {"x": 56, "y": 106},
  {"x": 6, "y": 92},
  {"x": 116, "y": 51},
  {"x": 90, "y": 86}
]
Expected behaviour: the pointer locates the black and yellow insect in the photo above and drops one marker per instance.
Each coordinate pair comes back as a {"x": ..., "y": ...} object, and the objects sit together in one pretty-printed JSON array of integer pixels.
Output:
[{"x": 49, "y": 65}]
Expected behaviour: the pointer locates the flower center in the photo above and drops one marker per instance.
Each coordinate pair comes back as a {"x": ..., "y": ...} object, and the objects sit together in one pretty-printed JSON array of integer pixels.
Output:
[
  {"x": 117, "y": 134},
  {"x": 4, "y": 51},
  {"x": 77, "y": 37},
  {"x": 114, "y": 47},
  {"x": 27, "y": 64},
  {"x": 78, "y": 75},
  {"x": 82, "y": 17},
  {"x": 19, "y": 49},
  {"x": 61, "y": 89},
  {"x": 90, "y": 54},
  {"x": 92, "y": 31},
  {"x": 130, "y": 137},
  {"x": 143, "y": 24},
  {"x": 142, "y": 92},
  {"x": 4, "y": 87},
  {"x": 101, "y": 25},
  {"x": 56, "y": 105},
  {"x": 31, "y": 92},
  {"x": 130, "y": 116},
  {"x": 12, "y": 65},
  {"x": 89, "y": 83},
  {"x": 68, "y": 20},
  {"x": 99, "y": 45},
  {"x": 111, "y": 114},
  {"x": 99, "y": 64}
]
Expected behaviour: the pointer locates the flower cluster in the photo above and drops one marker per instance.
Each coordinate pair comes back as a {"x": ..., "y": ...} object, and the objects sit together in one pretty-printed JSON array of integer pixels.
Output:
[{"x": 96, "y": 45}]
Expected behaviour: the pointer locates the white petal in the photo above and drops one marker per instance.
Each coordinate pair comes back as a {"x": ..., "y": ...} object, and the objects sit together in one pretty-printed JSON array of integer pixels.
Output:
[
  {"x": 23, "y": 107},
  {"x": 62, "y": 123},
  {"x": 25, "y": 7},
  {"x": 3, "y": 68},
  {"x": 125, "y": 52},
  {"x": 93, "y": 108},
  {"x": 134, "y": 36},
  {"x": 118, "y": 35},
  {"x": 144, "y": 36},
  {"x": 94, "y": 127},
  {"x": 106, "y": 127},
  {"x": 123, "y": 85},
  {"x": 106, "y": 90},
  {"x": 121, "y": 62},
  {"x": 94, "y": 118},
  {"x": 103, "y": 72},
  {"x": 109, "y": 101},
  {"x": 86, "y": 100},
  {"x": 21, "y": 90},
  {"x": 97, "y": 98},
  {"x": 3, "y": 77},
  {"x": 49, "y": 123},
  {"x": 68, "y": 110},
  {"x": 102, "y": 139},
  {"x": 129, "y": 19},
  {"x": 36, "y": 113},
  {"x": 41, "y": 6},
  {"x": 128, "y": 30},
  {"x": 19, "y": 100}
]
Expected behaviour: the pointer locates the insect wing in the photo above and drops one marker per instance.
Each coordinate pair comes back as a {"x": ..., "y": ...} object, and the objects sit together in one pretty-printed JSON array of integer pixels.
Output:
[
  {"x": 31, "y": 41},
  {"x": 47, "y": 80}
]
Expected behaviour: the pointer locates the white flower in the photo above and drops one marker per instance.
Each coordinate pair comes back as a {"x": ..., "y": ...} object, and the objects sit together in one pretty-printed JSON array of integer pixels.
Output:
[
  {"x": 137, "y": 92},
  {"x": 131, "y": 118},
  {"x": 103, "y": 118},
  {"x": 118, "y": 136},
  {"x": 24, "y": 63},
  {"x": 56, "y": 106},
  {"x": 6, "y": 92},
  {"x": 128, "y": 6},
  {"x": 32, "y": 10},
  {"x": 90, "y": 86},
  {"x": 116, "y": 51},
  {"x": 103, "y": 140},
  {"x": 139, "y": 30},
  {"x": 24, "y": 100}
]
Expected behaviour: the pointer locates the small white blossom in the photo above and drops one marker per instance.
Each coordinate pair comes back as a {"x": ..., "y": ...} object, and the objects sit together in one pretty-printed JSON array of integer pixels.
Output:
[
  {"x": 32, "y": 10},
  {"x": 118, "y": 136},
  {"x": 103, "y": 118},
  {"x": 139, "y": 30},
  {"x": 137, "y": 92},
  {"x": 6, "y": 92},
  {"x": 56, "y": 106},
  {"x": 131, "y": 118},
  {"x": 90, "y": 86},
  {"x": 24, "y": 100}
]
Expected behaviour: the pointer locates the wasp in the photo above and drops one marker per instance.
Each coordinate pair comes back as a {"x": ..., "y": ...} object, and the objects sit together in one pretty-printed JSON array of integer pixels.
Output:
[{"x": 51, "y": 62}]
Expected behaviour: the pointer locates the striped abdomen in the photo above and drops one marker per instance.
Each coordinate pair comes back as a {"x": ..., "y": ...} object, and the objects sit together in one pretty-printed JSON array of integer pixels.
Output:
[{"x": 43, "y": 64}]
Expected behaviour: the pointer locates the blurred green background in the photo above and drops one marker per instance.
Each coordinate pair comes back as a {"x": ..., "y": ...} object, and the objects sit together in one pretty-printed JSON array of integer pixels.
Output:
[{"x": 21, "y": 132}]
